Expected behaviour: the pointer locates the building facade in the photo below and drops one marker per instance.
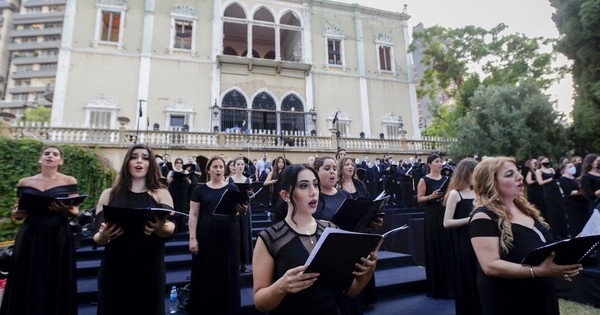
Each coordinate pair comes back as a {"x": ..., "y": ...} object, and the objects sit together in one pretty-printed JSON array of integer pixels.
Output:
[{"x": 301, "y": 67}]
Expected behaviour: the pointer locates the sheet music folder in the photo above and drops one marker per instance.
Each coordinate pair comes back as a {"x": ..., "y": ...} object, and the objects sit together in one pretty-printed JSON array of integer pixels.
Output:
[
  {"x": 569, "y": 251},
  {"x": 228, "y": 201},
  {"x": 38, "y": 204},
  {"x": 337, "y": 251},
  {"x": 356, "y": 214},
  {"x": 132, "y": 219}
]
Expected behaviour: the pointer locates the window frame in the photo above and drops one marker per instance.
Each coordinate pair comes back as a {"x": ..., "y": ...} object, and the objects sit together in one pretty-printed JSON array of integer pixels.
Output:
[
  {"x": 114, "y": 7},
  {"x": 183, "y": 13},
  {"x": 383, "y": 41}
]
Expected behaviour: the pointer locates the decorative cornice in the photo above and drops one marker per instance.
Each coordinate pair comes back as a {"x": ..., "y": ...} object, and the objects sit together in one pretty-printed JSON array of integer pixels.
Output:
[
  {"x": 184, "y": 9},
  {"x": 390, "y": 118},
  {"x": 341, "y": 115},
  {"x": 383, "y": 38},
  {"x": 103, "y": 102},
  {"x": 179, "y": 106},
  {"x": 112, "y": 3},
  {"x": 331, "y": 29}
]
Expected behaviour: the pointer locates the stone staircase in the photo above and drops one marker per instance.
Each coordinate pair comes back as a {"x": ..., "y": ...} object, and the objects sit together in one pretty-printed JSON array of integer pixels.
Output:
[{"x": 397, "y": 271}]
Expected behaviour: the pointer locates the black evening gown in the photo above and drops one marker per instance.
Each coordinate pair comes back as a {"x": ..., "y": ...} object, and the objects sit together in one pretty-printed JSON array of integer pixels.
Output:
[
  {"x": 554, "y": 206},
  {"x": 43, "y": 279},
  {"x": 216, "y": 269},
  {"x": 575, "y": 206},
  {"x": 465, "y": 263},
  {"x": 132, "y": 276},
  {"x": 501, "y": 296},
  {"x": 179, "y": 190},
  {"x": 290, "y": 249},
  {"x": 535, "y": 196},
  {"x": 439, "y": 268}
]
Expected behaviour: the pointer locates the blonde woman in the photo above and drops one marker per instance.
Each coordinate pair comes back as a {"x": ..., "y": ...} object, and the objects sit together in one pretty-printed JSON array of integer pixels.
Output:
[{"x": 504, "y": 228}]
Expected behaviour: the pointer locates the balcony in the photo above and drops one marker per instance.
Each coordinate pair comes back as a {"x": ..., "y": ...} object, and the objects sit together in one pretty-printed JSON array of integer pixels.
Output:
[
  {"x": 39, "y": 3},
  {"x": 33, "y": 74},
  {"x": 38, "y": 17},
  {"x": 34, "y": 60},
  {"x": 34, "y": 45},
  {"x": 221, "y": 141},
  {"x": 36, "y": 32}
]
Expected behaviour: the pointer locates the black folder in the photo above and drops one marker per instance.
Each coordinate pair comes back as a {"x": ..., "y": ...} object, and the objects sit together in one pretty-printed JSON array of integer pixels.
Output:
[
  {"x": 569, "y": 251},
  {"x": 228, "y": 201},
  {"x": 356, "y": 214},
  {"x": 179, "y": 176},
  {"x": 133, "y": 219},
  {"x": 38, "y": 204},
  {"x": 444, "y": 186},
  {"x": 337, "y": 251}
]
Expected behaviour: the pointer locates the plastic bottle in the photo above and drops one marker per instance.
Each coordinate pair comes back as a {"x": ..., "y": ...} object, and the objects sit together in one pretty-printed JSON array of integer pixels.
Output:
[{"x": 173, "y": 300}]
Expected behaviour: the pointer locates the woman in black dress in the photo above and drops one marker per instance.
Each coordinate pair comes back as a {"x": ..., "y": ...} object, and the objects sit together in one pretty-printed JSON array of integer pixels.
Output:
[
  {"x": 459, "y": 204},
  {"x": 574, "y": 203},
  {"x": 215, "y": 245},
  {"x": 545, "y": 175},
  {"x": 245, "y": 220},
  {"x": 43, "y": 280},
  {"x": 590, "y": 179},
  {"x": 438, "y": 257},
  {"x": 535, "y": 192},
  {"x": 280, "y": 286},
  {"x": 134, "y": 260},
  {"x": 179, "y": 182},
  {"x": 504, "y": 228}
]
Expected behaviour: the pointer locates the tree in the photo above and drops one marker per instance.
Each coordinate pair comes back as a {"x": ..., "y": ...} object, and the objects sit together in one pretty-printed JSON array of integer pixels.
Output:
[
  {"x": 509, "y": 120},
  {"x": 459, "y": 60},
  {"x": 578, "y": 21}
]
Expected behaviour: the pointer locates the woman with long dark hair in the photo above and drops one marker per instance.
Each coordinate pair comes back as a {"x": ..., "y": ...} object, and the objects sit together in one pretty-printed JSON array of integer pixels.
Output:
[
  {"x": 131, "y": 257},
  {"x": 590, "y": 179}
]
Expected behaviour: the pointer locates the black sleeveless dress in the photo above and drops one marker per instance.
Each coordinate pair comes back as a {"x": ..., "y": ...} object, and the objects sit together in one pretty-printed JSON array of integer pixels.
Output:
[
  {"x": 290, "y": 249},
  {"x": 465, "y": 263},
  {"x": 132, "y": 277},
  {"x": 554, "y": 207},
  {"x": 439, "y": 268},
  {"x": 535, "y": 196},
  {"x": 501, "y": 296},
  {"x": 43, "y": 279}
]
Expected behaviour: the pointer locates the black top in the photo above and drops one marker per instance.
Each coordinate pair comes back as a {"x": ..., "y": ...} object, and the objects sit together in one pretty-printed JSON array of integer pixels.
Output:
[
  {"x": 43, "y": 279},
  {"x": 329, "y": 204},
  {"x": 589, "y": 184},
  {"x": 290, "y": 249},
  {"x": 515, "y": 296}
]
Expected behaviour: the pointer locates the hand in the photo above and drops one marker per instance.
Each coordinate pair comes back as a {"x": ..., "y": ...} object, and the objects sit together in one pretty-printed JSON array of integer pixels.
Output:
[
  {"x": 193, "y": 246},
  {"x": 241, "y": 208},
  {"x": 549, "y": 269},
  {"x": 377, "y": 222},
  {"x": 109, "y": 231},
  {"x": 368, "y": 264},
  {"x": 155, "y": 226},
  {"x": 60, "y": 207},
  {"x": 295, "y": 280},
  {"x": 17, "y": 214}
]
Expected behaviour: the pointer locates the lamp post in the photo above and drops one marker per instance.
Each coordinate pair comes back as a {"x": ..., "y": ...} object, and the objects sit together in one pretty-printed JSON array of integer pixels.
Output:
[
  {"x": 313, "y": 117},
  {"x": 215, "y": 112},
  {"x": 401, "y": 130},
  {"x": 335, "y": 131}
]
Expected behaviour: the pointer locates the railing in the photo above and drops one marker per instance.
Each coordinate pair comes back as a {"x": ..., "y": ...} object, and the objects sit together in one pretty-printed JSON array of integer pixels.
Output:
[{"x": 234, "y": 141}]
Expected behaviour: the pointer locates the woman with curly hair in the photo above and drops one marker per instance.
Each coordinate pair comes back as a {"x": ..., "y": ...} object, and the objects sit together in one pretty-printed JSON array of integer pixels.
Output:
[{"x": 504, "y": 228}]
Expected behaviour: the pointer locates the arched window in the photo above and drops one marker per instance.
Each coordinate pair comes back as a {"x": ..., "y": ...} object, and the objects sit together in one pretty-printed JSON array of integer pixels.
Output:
[
  {"x": 290, "y": 37},
  {"x": 234, "y": 114},
  {"x": 263, "y": 30},
  {"x": 229, "y": 51},
  {"x": 235, "y": 29},
  {"x": 264, "y": 116},
  {"x": 292, "y": 115}
]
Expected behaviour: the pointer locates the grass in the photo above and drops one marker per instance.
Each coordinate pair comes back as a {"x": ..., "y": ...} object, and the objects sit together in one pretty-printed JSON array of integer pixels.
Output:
[{"x": 573, "y": 308}]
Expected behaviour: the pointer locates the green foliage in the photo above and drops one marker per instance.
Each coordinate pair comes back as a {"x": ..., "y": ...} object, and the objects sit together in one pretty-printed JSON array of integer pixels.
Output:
[
  {"x": 512, "y": 121},
  {"x": 578, "y": 22},
  {"x": 40, "y": 113},
  {"x": 20, "y": 160}
]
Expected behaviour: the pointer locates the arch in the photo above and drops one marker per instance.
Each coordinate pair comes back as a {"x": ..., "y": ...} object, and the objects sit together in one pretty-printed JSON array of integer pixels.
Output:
[
  {"x": 270, "y": 55},
  {"x": 235, "y": 10},
  {"x": 292, "y": 100},
  {"x": 293, "y": 117},
  {"x": 255, "y": 53},
  {"x": 290, "y": 17},
  {"x": 234, "y": 97},
  {"x": 264, "y": 115},
  {"x": 263, "y": 13},
  {"x": 229, "y": 51}
]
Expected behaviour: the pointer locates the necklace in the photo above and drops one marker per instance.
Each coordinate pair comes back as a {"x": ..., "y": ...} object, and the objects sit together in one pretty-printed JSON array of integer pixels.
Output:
[{"x": 307, "y": 233}]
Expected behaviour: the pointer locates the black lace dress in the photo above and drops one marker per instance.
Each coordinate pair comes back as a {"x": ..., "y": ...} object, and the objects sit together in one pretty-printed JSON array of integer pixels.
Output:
[
  {"x": 43, "y": 279},
  {"x": 503, "y": 296},
  {"x": 132, "y": 276},
  {"x": 290, "y": 249}
]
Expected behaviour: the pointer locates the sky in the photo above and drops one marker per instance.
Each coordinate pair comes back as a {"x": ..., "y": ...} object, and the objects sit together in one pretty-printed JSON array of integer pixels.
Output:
[{"x": 530, "y": 17}]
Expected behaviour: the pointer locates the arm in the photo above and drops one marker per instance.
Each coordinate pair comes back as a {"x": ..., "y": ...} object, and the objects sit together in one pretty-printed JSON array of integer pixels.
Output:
[
  {"x": 449, "y": 221},
  {"x": 528, "y": 178},
  {"x": 422, "y": 189},
  {"x": 268, "y": 294},
  {"x": 487, "y": 250},
  {"x": 364, "y": 273},
  {"x": 539, "y": 178},
  {"x": 192, "y": 224},
  {"x": 170, "y": 177},
  {"x": 268, "y": 181},
  {"x": 107, "y": 231},
  {"x": 163, "y": 228}
]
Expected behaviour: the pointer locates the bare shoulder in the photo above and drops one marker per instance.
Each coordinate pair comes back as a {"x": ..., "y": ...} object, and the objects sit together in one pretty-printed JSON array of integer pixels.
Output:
[
  {"x": 25, "y": 181},
  {"x": 68, "y": 180}
]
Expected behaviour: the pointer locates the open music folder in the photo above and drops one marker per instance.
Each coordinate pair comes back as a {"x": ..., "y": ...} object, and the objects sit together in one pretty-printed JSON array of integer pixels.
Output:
[
  {"x": 228, "y": 201},
  {"x": 39, "y": 204},
  {"x": 134, "y": 219},
  {"x": 356, "y": 214},
  {"x": 568, "y": 251},
  {"x": 337, "y": 251}
]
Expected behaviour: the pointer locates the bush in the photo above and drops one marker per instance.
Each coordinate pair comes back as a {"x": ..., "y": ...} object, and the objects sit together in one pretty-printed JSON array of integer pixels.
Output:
[{"x": 20, "y": 159}]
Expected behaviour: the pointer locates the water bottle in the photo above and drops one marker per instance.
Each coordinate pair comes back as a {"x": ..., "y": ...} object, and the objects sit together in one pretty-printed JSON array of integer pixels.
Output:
[{"x": 173, "y": 300}]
